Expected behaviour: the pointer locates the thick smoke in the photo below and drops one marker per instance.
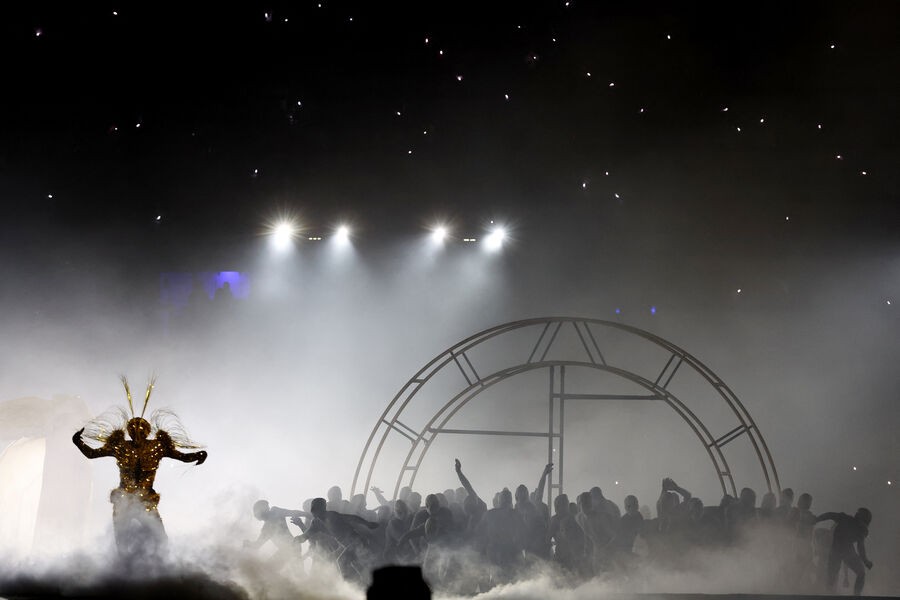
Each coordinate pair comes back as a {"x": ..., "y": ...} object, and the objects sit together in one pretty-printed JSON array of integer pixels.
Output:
[{"x": 284, "y": 386}]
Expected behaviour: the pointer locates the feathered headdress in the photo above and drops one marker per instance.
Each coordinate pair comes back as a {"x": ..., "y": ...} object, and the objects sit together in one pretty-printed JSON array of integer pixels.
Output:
[{"x": 115, "y": 419}]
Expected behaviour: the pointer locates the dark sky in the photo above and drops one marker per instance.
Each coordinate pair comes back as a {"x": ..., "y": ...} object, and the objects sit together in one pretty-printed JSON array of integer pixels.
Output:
[{"x": 216, "y": 91}]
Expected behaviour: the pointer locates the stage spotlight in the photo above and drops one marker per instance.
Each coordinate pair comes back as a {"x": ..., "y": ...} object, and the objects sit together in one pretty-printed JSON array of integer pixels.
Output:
[
  {"x": 494, "y": 240},
  {"x": 342, "y": 234},
  {"x": 439, "y": 234},
  {"x": 283, "y": 234}
]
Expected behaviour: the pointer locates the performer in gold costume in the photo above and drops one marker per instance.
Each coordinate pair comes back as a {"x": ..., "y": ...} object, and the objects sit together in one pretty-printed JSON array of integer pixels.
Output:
[{"x": 136, "y": 521}]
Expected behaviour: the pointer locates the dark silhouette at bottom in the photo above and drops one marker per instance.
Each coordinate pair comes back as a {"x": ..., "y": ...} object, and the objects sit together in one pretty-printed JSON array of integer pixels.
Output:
[{"x": 398, "y": 582}]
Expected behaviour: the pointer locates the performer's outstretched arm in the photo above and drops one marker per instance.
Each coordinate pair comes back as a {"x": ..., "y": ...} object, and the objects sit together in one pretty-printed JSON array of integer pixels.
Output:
[
  {"x": 539, "y": 490},
  {"x": 265, "y": 534},
  {"x": 379, "y": 496},
  {"x": 315, "y": 531},
  {"x": 173, "y": 452},
  {"x": 357, "y": 520},
  {"x": 298, "y": 521},
  {"x": 685, "y": 495},
  {"x": 103, "y": 450},
  {"x": 829, "y": 516},
  {"x": 296, "y": 516},
  {"x": 464, "y": 480},
  {"x": 285, "y": 513}
]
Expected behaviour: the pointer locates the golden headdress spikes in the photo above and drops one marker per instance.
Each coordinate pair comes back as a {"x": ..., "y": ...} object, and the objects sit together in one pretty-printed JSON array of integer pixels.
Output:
[
  {"x": 150, "y": 385},
  {"x": 128, "y": 393}
]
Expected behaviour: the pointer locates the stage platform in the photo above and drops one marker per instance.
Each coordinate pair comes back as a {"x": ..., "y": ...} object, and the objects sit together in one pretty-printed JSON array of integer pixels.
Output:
[{"x": 180, "y": 588}]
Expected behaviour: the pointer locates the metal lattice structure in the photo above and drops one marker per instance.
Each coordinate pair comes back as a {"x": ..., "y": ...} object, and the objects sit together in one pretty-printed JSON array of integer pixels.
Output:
[{"x": 542, "y": 335}]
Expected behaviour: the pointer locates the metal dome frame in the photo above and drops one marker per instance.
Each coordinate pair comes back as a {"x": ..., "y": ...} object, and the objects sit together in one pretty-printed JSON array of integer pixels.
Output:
[{"x": 474, "y": 384}]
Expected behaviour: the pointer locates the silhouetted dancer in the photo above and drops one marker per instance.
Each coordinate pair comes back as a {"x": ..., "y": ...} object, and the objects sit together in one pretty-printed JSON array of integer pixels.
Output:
[
  {"x": 358, "y": 508},
  {"x": 502, "y": 536},
  {"x": 566, "y": 536},
  {"x": 336, "y": 502},
  {"x": 785, "y": 505},
  {"x": 801, "y": 521},
  {"x": 473, "y": 505},
  {"x": 377, "y": 538},
  {"x": 437, "y": 525},
  {"x": 742, "y": 514},
  {"x": 438, "y": 532},
  {"x": 699, "y": 526},
  {"x": 600, "y": 502},
  {"x": 767, "y": 507},
  {"x": 719, "y": 515},
  {"x": 137, "y": 525},
  {"x": 340, "y": 528},
  {"x": 534, "y": 530},
  {"x": 598, "y": 533},
  {"x": 848, "y": 531},
  {"x": 396, "y": 528},
  {"x": 629, "y": 526},
  {"x": 275, "y": 530},
  {"x": 414, "y": 502},
  {"x": 670, "y": 509},
  {"x": 455, "y": 504}
]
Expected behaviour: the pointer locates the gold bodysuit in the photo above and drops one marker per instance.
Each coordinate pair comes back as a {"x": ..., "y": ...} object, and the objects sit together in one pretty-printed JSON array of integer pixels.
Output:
[{"x": 137, "y": 462}]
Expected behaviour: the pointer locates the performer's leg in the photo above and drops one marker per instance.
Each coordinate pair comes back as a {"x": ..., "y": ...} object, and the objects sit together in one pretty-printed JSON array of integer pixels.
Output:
[
  {"x": 155, "y": 529},
  {"x": 834, "y": 565},
  {"x": 121, "y": 521},
  {"x": 854, "y": 563},
  {"x": 120, "y": 526}
]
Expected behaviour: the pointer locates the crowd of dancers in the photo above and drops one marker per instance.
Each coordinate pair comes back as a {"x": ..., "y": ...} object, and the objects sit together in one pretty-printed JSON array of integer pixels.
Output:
[{"x": 465, "y": 547}]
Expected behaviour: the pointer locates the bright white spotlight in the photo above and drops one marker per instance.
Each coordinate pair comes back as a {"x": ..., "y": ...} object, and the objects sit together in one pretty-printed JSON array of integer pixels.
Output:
[
  {"x": 439, "y": 234},
  {"x": 494, "y": 240},
  {"x": 342, "y": 234},
  {"x": 282, "y": 235}
]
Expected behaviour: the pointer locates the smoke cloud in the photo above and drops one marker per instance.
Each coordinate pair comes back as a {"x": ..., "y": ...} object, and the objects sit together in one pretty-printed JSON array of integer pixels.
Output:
[{"x": 284, "y": 385}]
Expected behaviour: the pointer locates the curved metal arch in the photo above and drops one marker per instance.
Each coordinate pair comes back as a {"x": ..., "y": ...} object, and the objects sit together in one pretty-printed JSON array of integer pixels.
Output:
[
  {"x": 389, "y": 420},
  {"x": 472, "y": 391}
]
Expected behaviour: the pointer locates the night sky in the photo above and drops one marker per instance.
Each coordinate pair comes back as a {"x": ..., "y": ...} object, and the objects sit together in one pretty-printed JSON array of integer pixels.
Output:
[
  {"x": 767, "y": 130},
  {"x": 724, "y": 175}
]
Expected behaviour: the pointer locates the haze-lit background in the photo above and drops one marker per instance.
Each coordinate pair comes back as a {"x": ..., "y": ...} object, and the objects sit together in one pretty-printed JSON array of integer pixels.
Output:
[{"x": 146, "y": 150}]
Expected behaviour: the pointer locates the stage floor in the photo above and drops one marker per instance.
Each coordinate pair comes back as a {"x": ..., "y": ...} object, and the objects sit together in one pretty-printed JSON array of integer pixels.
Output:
[{"x": 181, "y": 589}]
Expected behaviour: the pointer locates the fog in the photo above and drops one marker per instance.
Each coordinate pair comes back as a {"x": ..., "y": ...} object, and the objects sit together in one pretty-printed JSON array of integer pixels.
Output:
[{"x": 283, "y": 387}]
